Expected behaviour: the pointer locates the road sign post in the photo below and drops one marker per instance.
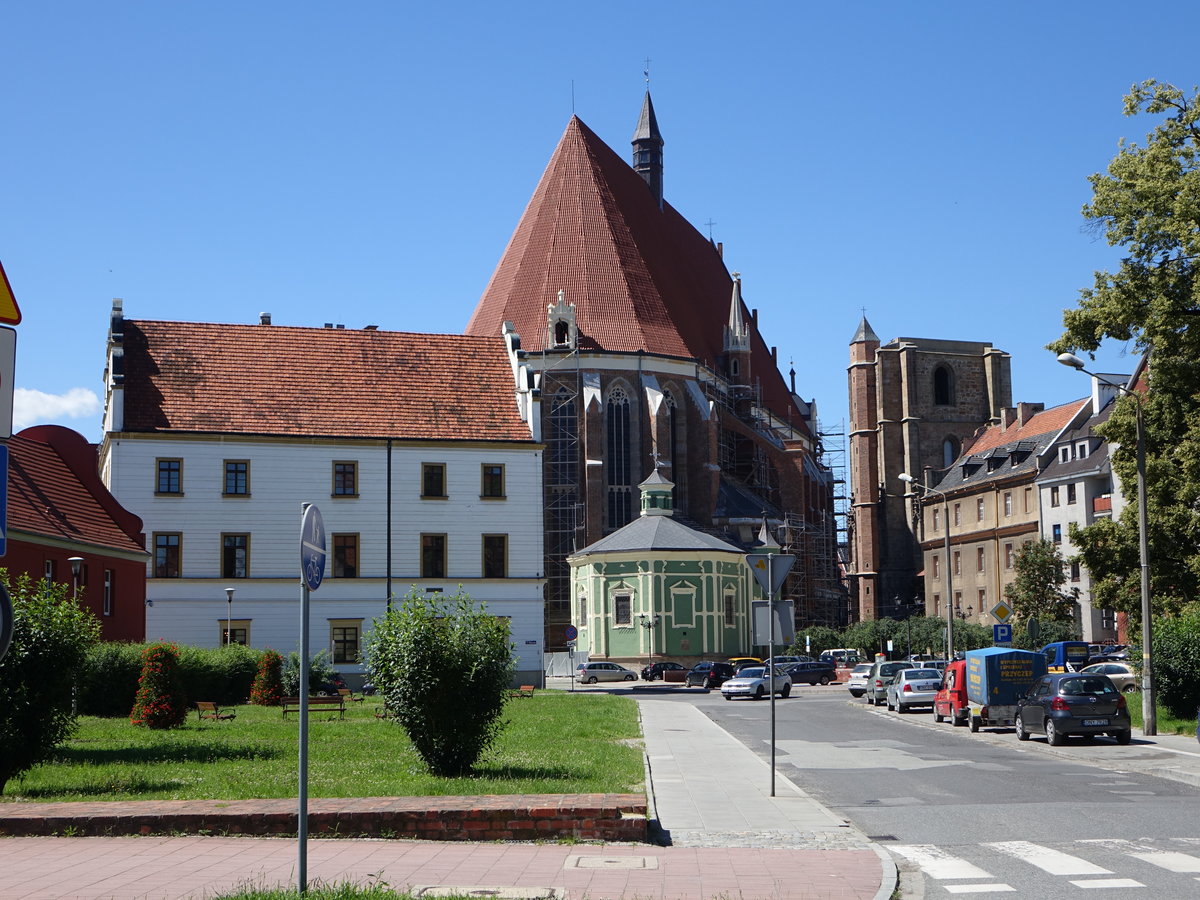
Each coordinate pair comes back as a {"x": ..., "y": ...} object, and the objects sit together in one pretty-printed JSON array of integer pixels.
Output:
[
  {"x": 770, "y": 571},
  {"x": 312, "y": 572}
]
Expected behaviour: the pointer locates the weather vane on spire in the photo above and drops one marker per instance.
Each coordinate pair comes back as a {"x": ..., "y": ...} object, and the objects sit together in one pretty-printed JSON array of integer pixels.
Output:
[{"x": 646, "y": 72}]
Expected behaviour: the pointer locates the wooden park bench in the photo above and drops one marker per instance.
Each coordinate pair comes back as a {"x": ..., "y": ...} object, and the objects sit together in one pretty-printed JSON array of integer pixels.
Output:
[
  {"x": 525, "y": 690},
  {"x": 206, "y": 709},
  {"x": 347, "y": 694},
  {"x": 316, "y": 704}
]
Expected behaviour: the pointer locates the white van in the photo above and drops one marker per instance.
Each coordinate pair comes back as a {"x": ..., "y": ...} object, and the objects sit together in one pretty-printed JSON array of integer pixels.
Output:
[{"x": 843, "y": 656}]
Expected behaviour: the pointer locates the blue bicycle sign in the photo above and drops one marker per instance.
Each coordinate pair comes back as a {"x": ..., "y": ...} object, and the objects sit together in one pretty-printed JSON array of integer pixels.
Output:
[{"x": 312, "y": 548}]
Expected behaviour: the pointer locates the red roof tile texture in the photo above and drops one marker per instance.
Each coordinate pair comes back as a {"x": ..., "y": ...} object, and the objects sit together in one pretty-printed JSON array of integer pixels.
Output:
[
  {"x": 641, "y": 278},
  {"x": 317, "y": 382},
  {"x": 1048, "y": 421},
  {"x": 48, "y": 498}
]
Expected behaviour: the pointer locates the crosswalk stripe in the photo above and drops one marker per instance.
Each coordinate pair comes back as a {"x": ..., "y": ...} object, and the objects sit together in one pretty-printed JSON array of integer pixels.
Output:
[
  {"x": 1053, "y": 861},
  {"x": 1171, "y": 860},
  {"x": 1108, "y": 883},
  {"x": 977, "y": 888},
  {"x": 937, "y": 863}
]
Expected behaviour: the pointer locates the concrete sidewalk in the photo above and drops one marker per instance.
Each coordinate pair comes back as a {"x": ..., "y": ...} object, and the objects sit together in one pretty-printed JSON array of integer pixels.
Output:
[{"x": 727, "y": 838}]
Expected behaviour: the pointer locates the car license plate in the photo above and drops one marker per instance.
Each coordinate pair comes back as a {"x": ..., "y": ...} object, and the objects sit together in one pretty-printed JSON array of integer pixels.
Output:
[{"x": 1090, "y": 722}]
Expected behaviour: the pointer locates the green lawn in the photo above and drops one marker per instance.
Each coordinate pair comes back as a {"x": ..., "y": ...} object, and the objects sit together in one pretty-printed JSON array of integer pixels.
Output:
[{"x": 553, "y": 743}]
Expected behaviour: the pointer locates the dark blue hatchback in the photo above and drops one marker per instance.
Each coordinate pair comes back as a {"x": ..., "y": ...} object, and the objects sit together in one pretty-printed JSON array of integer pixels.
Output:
[{"x": 1063, "y": 704}]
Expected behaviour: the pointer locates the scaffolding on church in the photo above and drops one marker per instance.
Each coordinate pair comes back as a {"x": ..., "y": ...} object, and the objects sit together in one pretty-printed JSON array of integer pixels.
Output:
[{"x": 563, "y": 519}]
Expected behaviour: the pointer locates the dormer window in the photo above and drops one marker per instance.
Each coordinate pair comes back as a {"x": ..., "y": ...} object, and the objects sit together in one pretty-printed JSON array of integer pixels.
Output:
[
  {"x": 1081, "y": 450},
  {"x": 1064, "y": 453},
  {"x": 560, "y": 319}
]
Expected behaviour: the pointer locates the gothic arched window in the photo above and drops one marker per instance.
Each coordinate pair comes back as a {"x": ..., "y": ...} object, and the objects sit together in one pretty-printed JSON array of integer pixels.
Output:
[
  {"x": 943, "y": 386},
  {"x": 618, "y": 458},
  {"x": 949, "y": 452}
]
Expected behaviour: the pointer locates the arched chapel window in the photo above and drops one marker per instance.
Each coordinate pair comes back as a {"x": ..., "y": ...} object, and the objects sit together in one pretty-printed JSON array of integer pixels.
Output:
[
  {"x": 949, "y": 451},
  {"x": 618, "y": 458}
]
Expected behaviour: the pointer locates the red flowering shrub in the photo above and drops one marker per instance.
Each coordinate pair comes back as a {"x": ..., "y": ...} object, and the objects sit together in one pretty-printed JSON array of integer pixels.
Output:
[
  {"x": 160, "y": 702},
  {"x": 267, "y": 689}
]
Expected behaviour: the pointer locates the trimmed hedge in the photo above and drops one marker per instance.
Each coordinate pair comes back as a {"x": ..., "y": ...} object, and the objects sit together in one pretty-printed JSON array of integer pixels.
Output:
[{"x": 108, "y": 682}]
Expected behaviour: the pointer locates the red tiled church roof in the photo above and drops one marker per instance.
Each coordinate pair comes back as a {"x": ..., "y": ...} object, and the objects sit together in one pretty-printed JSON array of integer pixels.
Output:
[
  {"x": 1048, "y": 421},
  {"x": 641, "y": 277},
  {"x": 47, "y": 497},
  {"x": 326, "y": 382}
]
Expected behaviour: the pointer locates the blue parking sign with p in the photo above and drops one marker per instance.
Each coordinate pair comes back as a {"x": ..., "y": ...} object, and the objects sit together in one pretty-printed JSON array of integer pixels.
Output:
[{"x": 1002, "y": 635}]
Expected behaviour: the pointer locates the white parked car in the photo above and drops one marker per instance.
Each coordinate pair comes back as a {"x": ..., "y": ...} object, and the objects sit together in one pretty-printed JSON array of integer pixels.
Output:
[
  {"x": 857, "y": 682},
  {"x": 752, "y": 682},
  {"x": 590, "y": 673}
]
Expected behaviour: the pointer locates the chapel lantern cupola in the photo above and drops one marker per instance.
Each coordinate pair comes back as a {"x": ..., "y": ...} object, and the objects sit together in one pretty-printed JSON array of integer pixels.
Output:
[
  {"x": 657, "y": 495},
  {"x": 648, "y": 151},
  {"x": 560, "y": 320},
  {"x": 737, "y": 337}
]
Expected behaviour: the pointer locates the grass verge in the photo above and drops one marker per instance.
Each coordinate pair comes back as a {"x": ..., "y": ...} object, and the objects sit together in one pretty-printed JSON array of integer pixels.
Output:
[
  {"x": 552, "y": 743},
  {"x": 1166, "y": 723}
]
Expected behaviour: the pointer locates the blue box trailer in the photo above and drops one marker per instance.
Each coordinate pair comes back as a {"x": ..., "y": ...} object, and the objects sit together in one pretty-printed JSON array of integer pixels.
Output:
[{"x": 997, "y": 677}]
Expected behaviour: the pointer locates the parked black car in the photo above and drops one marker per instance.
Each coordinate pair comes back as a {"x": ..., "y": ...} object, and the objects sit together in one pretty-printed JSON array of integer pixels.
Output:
[
  {"x": 709, "y": 674},
  {"x": 654, "y": 671},
  {"x": 812, "y": 672},
  {"x": 1066, "y": 703}
]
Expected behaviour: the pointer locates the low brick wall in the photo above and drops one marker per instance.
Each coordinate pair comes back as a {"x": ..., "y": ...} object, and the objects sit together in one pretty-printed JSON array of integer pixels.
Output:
[{"x": 521, "y": 817}]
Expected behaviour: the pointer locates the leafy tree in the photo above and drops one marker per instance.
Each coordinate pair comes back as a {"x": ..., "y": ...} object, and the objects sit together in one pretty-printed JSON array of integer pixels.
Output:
[
  {"x": 51, "y": 637},
  {"x": 1177, "y": 662},
  {"x": 1148, "y": 204},
  {"x": 267, "y": 689},
  {"x": 445, "y": 667},
  {"x": 819, "y": 639},
  {"x": 160, "y": 701},
  {"x": 1036, "y": 589}
]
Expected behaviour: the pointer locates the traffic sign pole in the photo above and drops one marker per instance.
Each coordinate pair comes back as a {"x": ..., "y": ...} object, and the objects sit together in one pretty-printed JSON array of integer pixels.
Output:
[{"x": 312, "y": 572}]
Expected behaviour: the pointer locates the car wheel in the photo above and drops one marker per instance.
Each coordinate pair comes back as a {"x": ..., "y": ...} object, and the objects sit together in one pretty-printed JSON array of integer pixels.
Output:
[
  {"x": 1129, "y": 688},
  {"x": 1022, "y": 734},
  {"x": 1123, "y": 737},
  {"x": 889, "y": 704},
  {"x": 787, "y": 689},
  {"x": 631, "y": 677},
  {"x": 958, "y": 720},
  {"x": 901, "y": 708},
  {"x": 937, "y": 716},
  {"x": 824, "y": 679},
  {"x": 760, "y": 693},
  {"x": 975, "y": 723},
  {"x": 727, "y": 696},
  {"x": 1053, "y": 736},
  {"x": 856, "y": 693},
  {"x": 592, "y": 680}
]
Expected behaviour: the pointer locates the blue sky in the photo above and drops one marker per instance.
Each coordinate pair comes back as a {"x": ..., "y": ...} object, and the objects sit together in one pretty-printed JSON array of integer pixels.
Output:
[{"x": 366, "y": 163}]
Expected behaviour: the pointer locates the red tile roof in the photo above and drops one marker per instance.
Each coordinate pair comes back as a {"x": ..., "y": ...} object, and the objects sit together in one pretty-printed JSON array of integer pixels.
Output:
[
  {"x": 641, "y": 277},
  {"x": 326, "y": 382},
  {"x": 50, "y": 498},
  {"x": 1048, "y": 421}
]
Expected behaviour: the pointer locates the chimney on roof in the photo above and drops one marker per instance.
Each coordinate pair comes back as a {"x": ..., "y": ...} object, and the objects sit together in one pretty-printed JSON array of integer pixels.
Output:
[
  {"x": 1026, "y": 411},
  {"x": 328, "y": 324},
  {"x": 1008, "y": 415},
  {"x": 340, "y": 325},
  {"x": 264, "y": 318},
  {"x": 370, "y": 328}
]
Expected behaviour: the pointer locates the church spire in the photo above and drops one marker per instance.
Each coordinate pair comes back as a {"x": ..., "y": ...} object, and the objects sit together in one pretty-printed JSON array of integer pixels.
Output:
[
  {"x": 648, "y": 150},
  {"x": 737, "y": 335}
]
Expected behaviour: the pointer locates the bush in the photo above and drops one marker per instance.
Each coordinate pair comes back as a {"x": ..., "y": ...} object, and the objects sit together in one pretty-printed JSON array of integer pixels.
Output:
[
  {"x": 445, "y": 667},
  {"x": 223, "y": 675},
  {"x": 108, "y": 679},
  {"x": 268, "y": 680},
  {"x": 320, "y": 673},
  {"x": 51, "y": 635},
  {"x": 1176, "y": 651},
  {"x": 160, "y": 701}
]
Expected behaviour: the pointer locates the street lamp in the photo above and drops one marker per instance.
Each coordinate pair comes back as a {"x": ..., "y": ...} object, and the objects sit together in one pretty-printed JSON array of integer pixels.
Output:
[
  {"x": 964, "y": 615},
  {"x": 76, "y": 567},
  {"x": 908, "y": 479},
  {"x": 229, "y": 616},
  {"x": 1149, "y": 710},
  {"x": 648, "y": 622}
]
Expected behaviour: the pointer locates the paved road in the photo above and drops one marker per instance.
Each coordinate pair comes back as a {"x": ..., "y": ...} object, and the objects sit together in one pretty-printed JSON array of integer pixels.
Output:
[{"x": 984, "y": 813}]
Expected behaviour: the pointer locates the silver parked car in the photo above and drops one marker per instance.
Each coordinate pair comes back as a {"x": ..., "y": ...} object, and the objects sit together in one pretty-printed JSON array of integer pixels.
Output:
[
  {"x": 913, "y": 687},
  {"x": 879, "y": 677},
  {"x": 1118, "y": 673},
  {"x": 857, "y": 682},
  {"x": 752, "y": 682},
  {"x": 590, "y": 673}
]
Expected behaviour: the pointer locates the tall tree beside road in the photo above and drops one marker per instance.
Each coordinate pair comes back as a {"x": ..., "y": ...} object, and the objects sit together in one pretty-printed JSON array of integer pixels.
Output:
[
  {"x": 1036, "y": 589},
  {"x": 51, "y": 637},
  {"x": 1148, "y": 204}
]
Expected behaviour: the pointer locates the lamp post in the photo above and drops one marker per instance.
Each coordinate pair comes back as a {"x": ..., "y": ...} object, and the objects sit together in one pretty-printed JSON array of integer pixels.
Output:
[
  {"x": 1149, "y": 709},
  {"x": 229, "y": 616},
  {"x": 908, "y": 479},
  {"x": 76, "y": 567},
  {"x": 648, "y": 622}
]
